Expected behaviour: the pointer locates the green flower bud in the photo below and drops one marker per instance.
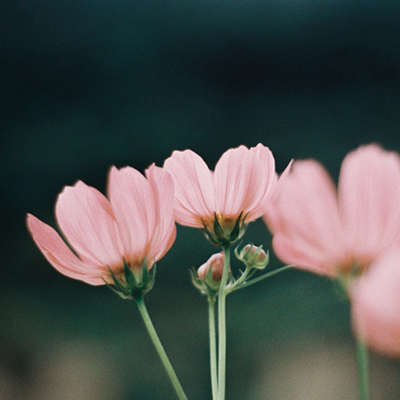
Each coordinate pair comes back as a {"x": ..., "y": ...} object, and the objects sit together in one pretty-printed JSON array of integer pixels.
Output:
[
  {"x": 216, "y": 264},
  {"x": 253, "y": 256}
]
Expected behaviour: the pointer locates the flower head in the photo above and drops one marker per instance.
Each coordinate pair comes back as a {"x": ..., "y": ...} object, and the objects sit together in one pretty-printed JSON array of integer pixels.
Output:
[
  {"x": 376, "y": 305},
  {"x": 338, "y": 232},
  {"x": 222, "y": 200},
  {"x": 133, "y": 227}
]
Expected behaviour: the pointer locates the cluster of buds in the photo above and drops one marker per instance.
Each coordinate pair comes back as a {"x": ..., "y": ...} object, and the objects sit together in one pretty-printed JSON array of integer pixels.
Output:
[
  {"x": 253, "y": 256},
  {"x": 208, "y": 277}
]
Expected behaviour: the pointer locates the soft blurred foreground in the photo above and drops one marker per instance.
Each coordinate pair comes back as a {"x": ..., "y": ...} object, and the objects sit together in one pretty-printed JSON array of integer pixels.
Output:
[{"x": 288, "y": 337}]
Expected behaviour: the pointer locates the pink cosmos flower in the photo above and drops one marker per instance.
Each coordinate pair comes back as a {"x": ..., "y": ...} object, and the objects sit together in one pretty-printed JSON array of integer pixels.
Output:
[
  {"x": 240, "y": 185},
  {"x": 376, "y": 305},
  {"x": 135, "y": 224},
  {"x": 343, "y": 231}
]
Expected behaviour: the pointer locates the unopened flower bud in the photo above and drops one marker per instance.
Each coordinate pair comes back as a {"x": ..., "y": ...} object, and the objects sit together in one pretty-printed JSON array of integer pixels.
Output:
[
  {"x": 253, "y": 256},
  {"x": 216, "y": 263}
]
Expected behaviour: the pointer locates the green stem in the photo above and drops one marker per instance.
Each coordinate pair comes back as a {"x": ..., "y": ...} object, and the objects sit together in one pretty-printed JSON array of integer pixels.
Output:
[
  {"x": 160, "y": 349},
  {"x": 260, "y": 278},
  {"x": 362, "y": 363},
  {"x": 213, "y": 346},
  {"x": 222, "y": 325}
]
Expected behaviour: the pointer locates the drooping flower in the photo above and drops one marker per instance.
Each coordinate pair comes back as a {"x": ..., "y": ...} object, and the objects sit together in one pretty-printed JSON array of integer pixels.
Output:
[
  {"x": 222, "y": 200},
  {"x": 132, "y": 228},
  {"x": 338, "y": 232},
  {"x": 376, "y": 305}
]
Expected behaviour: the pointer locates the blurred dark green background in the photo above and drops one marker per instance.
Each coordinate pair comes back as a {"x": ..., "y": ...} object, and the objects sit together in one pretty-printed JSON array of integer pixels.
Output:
[{"x": 87, "y": 84}]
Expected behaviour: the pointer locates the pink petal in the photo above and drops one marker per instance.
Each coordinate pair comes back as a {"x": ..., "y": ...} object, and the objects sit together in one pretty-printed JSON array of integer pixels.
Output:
[
  {"x": 376, "y": 305},
  {"x": 303, "y": 215},
  {"x": 86, "y": 219},
  {"x": 162, "y": 185},
  {"x": 244, "y": 179},
  {"x": 303, "y": 254},
  {"x": 231, "y": 181},
  {"x": 369, "y": 193},
  {"x": 61, "y": 257},
  {"x": 194, "y": 189},
  {"x": 133, "y": 202},
  {"x": 268, "y": 215},
  {"x": 263, "y": 182}
]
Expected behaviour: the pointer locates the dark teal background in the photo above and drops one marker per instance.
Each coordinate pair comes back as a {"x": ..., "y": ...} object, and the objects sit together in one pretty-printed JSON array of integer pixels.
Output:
[{"x": 89, "y": 84}]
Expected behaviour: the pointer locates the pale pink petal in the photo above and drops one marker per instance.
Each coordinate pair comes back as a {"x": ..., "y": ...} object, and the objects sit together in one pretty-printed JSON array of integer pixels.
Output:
[
  {"x": 61, "y": 257},
  {"x": 244, "y": 179},
  {"x": 86, "y": 219},
  {"x": 231, "y": 181},
  {"x": 162, "y": 185},
  {"x": 263, "y": 182},
  {"x": 376, "y": 305},
  {"x": 194, "y": 189},
  {"x": 132, "y": 199},
  {"x": 369, "y": 193},
  {"x": 303, "y": 254},
  {"x": 274, "y": 193},
  {"x": 166, "y": 245},
  {"x": 304, "y": 214}
]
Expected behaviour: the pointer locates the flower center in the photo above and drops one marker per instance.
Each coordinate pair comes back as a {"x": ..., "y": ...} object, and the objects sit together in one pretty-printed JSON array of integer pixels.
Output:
[
  {"x": 350, "y": 270},
  {"x": 134, "y": 265}
]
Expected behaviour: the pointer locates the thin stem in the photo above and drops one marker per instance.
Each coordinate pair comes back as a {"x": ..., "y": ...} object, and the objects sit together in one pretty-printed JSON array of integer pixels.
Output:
[
  {"x": 213, "y": 347},
  {"x": 160, "y": 349},
  {"x": 362, "y": 363},
  {"x": 222, "y": 325},
  {"x": 247, "y": 274},
  {"x": 260, "y": 278}
]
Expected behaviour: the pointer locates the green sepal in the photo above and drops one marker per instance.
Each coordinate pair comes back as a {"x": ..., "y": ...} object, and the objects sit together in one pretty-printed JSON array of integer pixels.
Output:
[
  {"x": 116, "y": 291},
  {"x": 218, "y": 231},
  {"x": 197, "y": 282},
  {"x": 206, "y": 286},
  {"x": 209, "y": 277},
  {"x": 129, "y": 277},
  {"x": 209, "y": 235},
  {"x": 134, "y": 286},
  {"x": 150, "y": 276},
  {"x": 118, "y": 284},
  {"x": 237, "y": 229},
  {"x": 236, "y": 252},
  {"x": 221, "y": 237}
]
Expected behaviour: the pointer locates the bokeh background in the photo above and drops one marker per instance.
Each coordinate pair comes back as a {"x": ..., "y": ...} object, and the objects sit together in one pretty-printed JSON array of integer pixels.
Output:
[{"x": 89, "y": 84}]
